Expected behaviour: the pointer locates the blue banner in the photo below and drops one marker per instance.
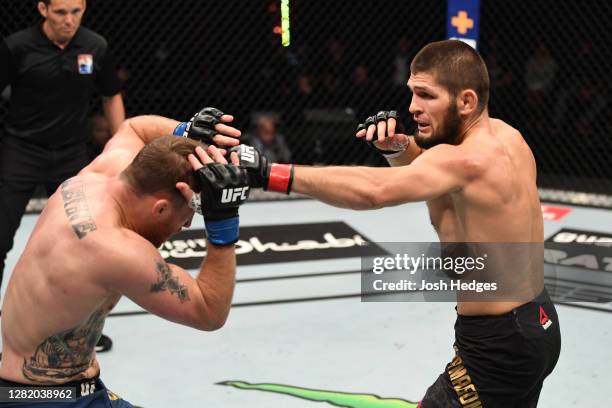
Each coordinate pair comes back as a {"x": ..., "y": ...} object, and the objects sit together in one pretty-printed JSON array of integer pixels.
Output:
[{"x": 462, "y": 21}]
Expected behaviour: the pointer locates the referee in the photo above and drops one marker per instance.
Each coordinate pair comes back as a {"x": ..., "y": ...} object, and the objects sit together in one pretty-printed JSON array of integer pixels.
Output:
[{"x": 53, "y": 69}]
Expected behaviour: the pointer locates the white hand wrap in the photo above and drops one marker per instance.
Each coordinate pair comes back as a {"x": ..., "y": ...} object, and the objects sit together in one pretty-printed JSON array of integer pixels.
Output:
[{"x": 196, "y": 203}]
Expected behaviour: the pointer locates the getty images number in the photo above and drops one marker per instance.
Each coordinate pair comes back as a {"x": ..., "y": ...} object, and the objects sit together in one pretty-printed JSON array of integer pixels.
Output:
[{"x": 38, "y": 394}]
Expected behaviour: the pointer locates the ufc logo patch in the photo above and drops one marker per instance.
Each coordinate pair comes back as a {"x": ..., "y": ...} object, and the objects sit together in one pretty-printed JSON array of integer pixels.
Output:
[
  {"x": 247, "y": 153},
  {"x": 231, "y": 195}
]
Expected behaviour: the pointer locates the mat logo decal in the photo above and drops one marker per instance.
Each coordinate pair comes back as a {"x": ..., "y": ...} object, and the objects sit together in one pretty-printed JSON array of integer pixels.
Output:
[
  {"x": 336, "y": 398},
  {"x": 586, "y": 249},
  {"x": 579, "y": 270},
  {"x": 554, "y": 213},
  {"x": 276, "y": 243}
]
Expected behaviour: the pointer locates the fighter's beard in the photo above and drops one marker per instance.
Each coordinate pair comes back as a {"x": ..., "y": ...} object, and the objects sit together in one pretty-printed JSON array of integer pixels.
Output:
[{"x": 449, "y": 132}]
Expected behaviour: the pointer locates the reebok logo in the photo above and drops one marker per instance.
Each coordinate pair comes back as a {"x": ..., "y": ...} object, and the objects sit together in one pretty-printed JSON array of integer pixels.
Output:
[
  {"x": 544, "y": 320},
  {"x": 231, "y": 195},
  {"x": 247, "y": 153}
]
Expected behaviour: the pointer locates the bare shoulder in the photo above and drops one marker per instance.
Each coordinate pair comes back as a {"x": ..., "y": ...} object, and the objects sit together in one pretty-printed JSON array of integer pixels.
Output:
[
  {"x": 461, "y": 160},
  {"x": 118, "y": 252},
  {"x": 512, "y": 138},
  {"x": 503, "y": 129},
  {"x": 119, "y": 151},
  {"x": 110, "y": 163}
]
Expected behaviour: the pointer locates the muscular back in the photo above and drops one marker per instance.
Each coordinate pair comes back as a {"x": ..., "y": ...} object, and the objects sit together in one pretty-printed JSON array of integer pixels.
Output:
[
  {"x": 55, "y": 307},
  {"x": 56, "y": 303},
  {"x": 95, "y": 242}
]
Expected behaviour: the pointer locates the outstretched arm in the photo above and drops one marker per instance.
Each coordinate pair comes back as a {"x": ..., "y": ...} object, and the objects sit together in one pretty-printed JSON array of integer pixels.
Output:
[{"x": 438, "y": 171}]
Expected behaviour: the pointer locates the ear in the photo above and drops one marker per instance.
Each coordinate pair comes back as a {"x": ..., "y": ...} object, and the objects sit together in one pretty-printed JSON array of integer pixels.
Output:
[
  {"x": 42, "y": 9},
  {"x": 84, "y": 5},
  {"x": 467, "y": 102},
  {"x": 185, "y": 190},
  {"x": 160, "y": 208}
]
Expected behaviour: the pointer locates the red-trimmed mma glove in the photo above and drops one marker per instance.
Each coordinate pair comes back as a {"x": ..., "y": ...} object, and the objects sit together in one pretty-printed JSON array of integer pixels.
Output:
[
  {"x": 225, "y": 188},
  {"x": 201, "y": 126},
  {"x": 262, "y": 173},
  {"x": 392, "y": 149}
]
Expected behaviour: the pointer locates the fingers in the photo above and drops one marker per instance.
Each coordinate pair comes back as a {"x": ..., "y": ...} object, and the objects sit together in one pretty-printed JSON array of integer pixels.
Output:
[
  {"x": 381, "y": 130},
  {"x": 227, "y": 118},
  {"x": 391, "y": 124},
  {"x": 195, "y": 163},
  {"x": 234, "y": 158},
  {"x": 204, "y": 155},
  {"x": 370, "y": 132},
  {"x": 226, "y": 141},
  {"x": 227, "y": 130},
  {"x": 361, "y": 133},
  {"x": 216, "y": 155},
  {"x": 184, "y": 189}
]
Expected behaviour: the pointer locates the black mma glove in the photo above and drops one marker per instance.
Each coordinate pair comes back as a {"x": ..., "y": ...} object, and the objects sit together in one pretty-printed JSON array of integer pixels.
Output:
[
  {"x": 201, "y": 126},
  {"x": 379, "y": 117},
  {"x": 224, "y": 188},
  {"x": 262, "y": 173}
]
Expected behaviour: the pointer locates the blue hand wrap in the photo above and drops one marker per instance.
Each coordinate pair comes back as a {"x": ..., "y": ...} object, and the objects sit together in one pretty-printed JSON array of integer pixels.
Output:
[
  {"x": 223, "y": 232},
  {"x": 180, "y": 129}
]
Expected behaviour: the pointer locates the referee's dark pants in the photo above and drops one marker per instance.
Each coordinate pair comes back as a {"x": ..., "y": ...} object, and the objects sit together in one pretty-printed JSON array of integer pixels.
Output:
[{"x": 23, "y": 166}]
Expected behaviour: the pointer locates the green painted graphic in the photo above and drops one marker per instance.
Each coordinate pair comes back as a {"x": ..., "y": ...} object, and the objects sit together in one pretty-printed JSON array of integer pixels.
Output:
[{"x": 339, "y": 399}]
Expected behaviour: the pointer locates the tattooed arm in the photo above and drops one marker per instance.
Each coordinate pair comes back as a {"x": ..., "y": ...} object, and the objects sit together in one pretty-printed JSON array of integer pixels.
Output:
[{"x": 138, "y": 271}]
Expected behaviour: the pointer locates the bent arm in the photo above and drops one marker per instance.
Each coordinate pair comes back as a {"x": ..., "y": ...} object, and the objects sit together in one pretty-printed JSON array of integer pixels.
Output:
[
  {"x": 170, "y": 292},
  {"x": 437, "y": 172},
  {"x": 138, "y": 131},
  {"x": 114, "y": 111},
  {"x": 131, "y": 137}
]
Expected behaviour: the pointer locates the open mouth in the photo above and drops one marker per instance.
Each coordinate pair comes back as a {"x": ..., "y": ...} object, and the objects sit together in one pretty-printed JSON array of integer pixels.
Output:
[{"x": 423, "y": 127}]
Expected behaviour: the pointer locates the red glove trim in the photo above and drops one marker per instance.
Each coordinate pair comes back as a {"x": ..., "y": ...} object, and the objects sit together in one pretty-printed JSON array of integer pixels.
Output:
[{"x": 281, "y": 177}]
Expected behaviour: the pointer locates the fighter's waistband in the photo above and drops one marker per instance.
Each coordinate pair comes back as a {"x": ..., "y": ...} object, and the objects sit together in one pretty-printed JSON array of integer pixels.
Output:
[
  {"x": 488, "y": 324},
  {"x": 83, "y": 387}
]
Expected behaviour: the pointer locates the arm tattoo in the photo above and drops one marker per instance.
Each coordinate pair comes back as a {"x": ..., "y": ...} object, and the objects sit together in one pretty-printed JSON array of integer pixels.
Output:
[
  {"x": 67, "y": 355},
  {"x": 166, "y": 281},
  {"x": 76, "y": 208}
]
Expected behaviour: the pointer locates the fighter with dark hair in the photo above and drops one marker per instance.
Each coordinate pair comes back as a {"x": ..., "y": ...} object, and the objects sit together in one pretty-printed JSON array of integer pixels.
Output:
[{"x": 478, "y": 177}]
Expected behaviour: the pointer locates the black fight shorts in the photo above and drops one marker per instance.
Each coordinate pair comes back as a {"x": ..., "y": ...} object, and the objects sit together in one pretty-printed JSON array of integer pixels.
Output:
[{"x": 500, "y": 361}]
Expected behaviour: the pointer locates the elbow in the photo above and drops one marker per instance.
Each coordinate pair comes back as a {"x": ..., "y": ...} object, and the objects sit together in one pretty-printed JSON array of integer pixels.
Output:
[
  {"x": 212, "y": 326},
  {"x": 212, "y": 323},
  {"x": 371, "y": 198}
]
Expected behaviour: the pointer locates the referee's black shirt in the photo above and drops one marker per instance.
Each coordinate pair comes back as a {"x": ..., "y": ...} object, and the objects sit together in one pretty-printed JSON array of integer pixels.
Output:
[{"x": 50, "y": 87}]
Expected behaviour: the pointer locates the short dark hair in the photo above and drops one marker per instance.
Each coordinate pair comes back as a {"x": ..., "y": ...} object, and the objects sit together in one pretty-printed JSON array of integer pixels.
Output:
[
  {"x": 456, "y": 66},
  {"x": 160, "y": 165}
]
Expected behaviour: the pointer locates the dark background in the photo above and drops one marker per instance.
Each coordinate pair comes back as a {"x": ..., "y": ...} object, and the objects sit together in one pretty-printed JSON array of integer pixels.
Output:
[{"x": 178, "y": 56}]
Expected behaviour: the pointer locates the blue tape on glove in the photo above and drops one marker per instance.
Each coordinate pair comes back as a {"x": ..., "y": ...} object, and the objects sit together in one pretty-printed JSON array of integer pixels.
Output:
[
  {"x": 223, "y": 232},
  {"x": 180, "y": 129}
]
